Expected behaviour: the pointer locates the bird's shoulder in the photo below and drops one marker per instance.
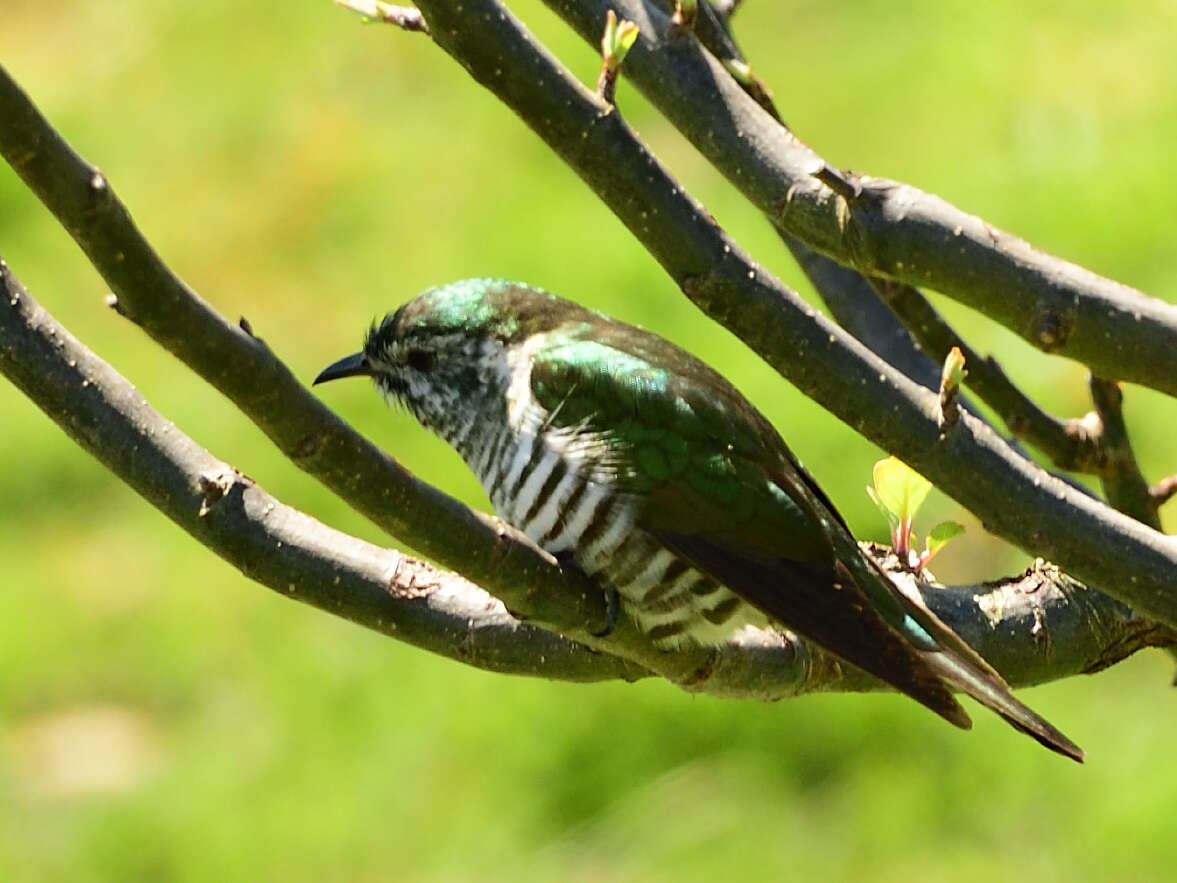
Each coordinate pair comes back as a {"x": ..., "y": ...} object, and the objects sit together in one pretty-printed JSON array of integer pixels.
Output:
[
  {"x": 704, "y": 460},
  {"x": 623, "y": 379}
]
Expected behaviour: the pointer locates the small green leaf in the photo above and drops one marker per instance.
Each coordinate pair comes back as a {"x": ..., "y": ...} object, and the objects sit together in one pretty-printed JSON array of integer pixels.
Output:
[
  {"x": 900, "y": 488},
  {"x": 627, "y": 35},
  {"x": 892, "y": 518},
  {"x": 617, "y": 40},
  {"x": 940, "y": 535},
  {"x": 609, "y": 38}
]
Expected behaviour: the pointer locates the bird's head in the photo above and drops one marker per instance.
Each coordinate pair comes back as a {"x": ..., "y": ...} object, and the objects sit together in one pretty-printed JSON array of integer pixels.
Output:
[{"x": 444, "y": 351}]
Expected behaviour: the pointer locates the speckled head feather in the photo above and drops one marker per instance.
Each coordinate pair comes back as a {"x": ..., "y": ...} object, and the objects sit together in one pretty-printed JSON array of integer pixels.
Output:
[{"x": 493, "y": 308}]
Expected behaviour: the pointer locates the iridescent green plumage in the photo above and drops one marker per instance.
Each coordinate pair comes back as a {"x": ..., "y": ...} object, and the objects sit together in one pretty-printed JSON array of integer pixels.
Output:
[{"x": 609, "y": 445}]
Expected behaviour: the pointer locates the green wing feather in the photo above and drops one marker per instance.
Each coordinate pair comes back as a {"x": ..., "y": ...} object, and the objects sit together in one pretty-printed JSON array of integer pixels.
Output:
[{"x": 717, "y": 486}]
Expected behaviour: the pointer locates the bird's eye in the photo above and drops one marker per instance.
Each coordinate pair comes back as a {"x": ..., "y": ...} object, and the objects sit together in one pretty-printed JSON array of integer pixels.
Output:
[{"x": 421, "y": 360}]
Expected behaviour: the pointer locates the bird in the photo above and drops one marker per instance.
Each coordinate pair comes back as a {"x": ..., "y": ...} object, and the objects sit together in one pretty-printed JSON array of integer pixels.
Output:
[{"x": 614, "y": 449}]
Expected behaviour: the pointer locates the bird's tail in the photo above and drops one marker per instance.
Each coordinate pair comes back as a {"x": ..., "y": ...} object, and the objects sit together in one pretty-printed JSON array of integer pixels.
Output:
[
  {"x": 958, "y": 664},
  {"x": 992, "y": 692}
]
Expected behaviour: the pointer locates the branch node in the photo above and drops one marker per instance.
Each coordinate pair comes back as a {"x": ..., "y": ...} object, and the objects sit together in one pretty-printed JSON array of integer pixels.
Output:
[
  {"x": 8, "y": 281},
  {"x": 1040, "y": 633},
  {"x": 845, "y": 184},
  {"x": 1050, "y": 330},
  {"x": 782, "y": 204},
  {"x": 1163, "y": 490},
  {"x": 692, "y": 285},
  {"x": 683, "y": 20},
  {"x": 741, "y": 71},
  {"x": 214, "y": 486},
  {"x": 112, "y": 301},
  {"x": 951, "y": 376},
  {"x": 1106, "y": 393},
  {"x": 695, "y": 681},
  {"x": 411, "y": 578}
]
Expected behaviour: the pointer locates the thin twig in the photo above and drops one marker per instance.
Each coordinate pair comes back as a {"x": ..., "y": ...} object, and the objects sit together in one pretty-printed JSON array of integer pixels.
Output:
[
  {"x": 404, "y": 17},
  {"x": 727, "y": 8},
  {"x": 685, "y": 13},
  {"x": 1163, "y": 490},
  {"x": 1123, "y": 482}
]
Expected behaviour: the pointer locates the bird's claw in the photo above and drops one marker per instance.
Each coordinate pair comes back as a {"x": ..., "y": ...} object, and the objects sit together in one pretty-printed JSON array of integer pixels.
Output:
[{"x": 612, "y": 607}]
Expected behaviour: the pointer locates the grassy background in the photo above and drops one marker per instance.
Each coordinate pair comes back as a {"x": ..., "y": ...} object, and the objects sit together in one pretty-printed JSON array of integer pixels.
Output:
[{"x": 162, "y": 718}]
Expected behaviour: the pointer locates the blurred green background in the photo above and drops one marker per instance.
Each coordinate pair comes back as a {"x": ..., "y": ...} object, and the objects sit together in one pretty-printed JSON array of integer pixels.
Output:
[{"x": 163, "y": 718}]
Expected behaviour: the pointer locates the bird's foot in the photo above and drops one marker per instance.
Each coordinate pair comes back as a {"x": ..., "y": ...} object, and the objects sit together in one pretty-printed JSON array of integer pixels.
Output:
[{"x": 612, "y": 609}]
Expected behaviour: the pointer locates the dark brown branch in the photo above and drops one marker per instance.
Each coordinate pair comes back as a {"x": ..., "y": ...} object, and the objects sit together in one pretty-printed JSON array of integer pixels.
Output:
[
  {"x": 1071, "y": 444},
  {"x": 891, "y": 229},
  {"x": 1123, "y": 482},
  {"x": 1014, "y": 498},
  {"x": 857, "y": 304},
  {"x": 399, "y": 596}
]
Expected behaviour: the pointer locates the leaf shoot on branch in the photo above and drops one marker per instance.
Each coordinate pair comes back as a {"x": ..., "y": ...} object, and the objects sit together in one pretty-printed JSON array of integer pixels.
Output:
[{"x": 618, "y": 39}]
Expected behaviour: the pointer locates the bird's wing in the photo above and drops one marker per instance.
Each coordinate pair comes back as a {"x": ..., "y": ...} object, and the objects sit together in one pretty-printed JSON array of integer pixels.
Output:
[
  {"x": 720, "y": 489},
  {"x": 701, "y": 460}
]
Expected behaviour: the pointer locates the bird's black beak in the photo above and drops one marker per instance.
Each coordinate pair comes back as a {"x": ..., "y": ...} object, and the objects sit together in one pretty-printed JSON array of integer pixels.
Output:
[{"x": 355, "y": 365}]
